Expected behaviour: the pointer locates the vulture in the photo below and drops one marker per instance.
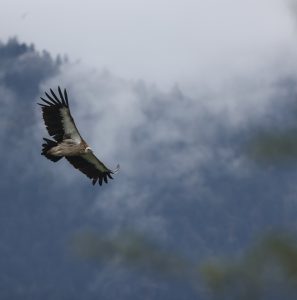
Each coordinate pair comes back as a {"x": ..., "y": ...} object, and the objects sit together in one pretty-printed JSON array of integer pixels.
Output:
[{"x": 67, "y": 141}]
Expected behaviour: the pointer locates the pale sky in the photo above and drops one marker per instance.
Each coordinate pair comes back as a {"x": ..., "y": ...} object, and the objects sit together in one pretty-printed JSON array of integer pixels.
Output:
[{"x": 160, "y": 41}]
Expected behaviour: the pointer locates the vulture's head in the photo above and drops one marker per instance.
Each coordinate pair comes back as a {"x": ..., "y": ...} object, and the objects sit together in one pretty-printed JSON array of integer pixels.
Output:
[{"x": 88, "y": 150}]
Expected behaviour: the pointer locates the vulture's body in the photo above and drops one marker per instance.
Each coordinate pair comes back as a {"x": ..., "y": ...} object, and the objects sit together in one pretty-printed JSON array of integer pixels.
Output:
[{"x": 67, "y": 141}]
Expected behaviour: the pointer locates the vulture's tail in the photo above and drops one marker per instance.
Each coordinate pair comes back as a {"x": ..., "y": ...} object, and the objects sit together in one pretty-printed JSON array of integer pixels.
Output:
[{"x": 47, "y": 146}]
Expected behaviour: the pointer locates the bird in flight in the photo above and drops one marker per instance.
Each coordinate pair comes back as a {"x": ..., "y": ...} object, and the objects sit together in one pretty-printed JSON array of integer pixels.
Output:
[{"x": 67, "y": 141}]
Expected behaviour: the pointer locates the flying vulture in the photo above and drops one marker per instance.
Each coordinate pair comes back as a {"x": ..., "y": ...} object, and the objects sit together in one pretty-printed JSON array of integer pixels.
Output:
[{"x": 67, "y": 141}]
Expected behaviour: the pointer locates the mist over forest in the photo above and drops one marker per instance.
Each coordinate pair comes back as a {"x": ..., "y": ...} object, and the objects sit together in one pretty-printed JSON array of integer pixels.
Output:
[{"x": 195, "y": 175}]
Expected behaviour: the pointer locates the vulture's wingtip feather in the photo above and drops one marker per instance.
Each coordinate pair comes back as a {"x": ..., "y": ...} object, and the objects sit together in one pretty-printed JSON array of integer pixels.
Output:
[
  {"x": 46, "y": 101},
  {"x": 54, "y": 95},
  {"x": 66, "y": 97},
  {"x": 61, "y": 94},
  {"x": 116, "y": 170},
  {"x": 55, "y": 101}
]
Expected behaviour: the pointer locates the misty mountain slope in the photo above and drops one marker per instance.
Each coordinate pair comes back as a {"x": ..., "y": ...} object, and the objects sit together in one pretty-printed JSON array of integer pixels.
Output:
[{"x": 186, "y": 179}]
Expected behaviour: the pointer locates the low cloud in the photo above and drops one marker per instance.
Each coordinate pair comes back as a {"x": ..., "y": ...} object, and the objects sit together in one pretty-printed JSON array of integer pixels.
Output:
[
  {"x": 172, "y": 147},
  {"x": 185, "y": 177}
]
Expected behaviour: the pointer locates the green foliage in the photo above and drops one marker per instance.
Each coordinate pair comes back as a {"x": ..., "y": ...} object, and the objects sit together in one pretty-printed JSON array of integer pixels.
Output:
[
  {"x": 271, "y": 262},
  {"x": 132, "y": 250},
  {"x": 272, "y": 147}
]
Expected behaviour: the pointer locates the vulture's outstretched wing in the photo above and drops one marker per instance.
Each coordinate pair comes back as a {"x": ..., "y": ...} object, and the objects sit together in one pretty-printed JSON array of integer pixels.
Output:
[
  {"x": 90, "y": 165},
  {"x": 57, "y": 118}
]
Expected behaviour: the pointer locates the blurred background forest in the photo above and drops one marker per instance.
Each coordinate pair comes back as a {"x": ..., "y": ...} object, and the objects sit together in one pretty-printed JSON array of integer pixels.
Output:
[{"x": 204, "y": 206}]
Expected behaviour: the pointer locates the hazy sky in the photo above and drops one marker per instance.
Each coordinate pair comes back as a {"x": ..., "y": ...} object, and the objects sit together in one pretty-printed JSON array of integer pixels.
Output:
[
  {"x": 160, "y": 41},
  {"x": 186, "y": 177}
]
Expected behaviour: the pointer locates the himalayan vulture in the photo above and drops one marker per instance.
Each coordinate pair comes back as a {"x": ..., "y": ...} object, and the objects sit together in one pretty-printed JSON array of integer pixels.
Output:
[{"x": 67, "y": 141}]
